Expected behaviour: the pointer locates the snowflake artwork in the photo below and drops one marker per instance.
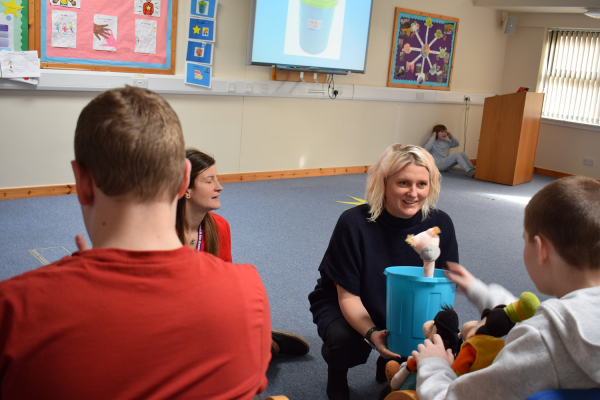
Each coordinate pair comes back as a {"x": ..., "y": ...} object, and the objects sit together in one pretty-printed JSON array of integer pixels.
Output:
[{"x": 423, "y": 49}]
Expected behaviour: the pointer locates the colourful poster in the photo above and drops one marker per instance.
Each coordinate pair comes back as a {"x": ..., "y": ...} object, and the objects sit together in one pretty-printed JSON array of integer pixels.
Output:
[
  {"x": 200, "y": 52},
  {"x": 14, "y": 25},
  {"x": 204, "y": 8},
  {"x": 202, "y": 29},
  {"x": 7, "y": 32},
  {"x": 423, "y": 50},
  {"x": 197, "y": 74}
]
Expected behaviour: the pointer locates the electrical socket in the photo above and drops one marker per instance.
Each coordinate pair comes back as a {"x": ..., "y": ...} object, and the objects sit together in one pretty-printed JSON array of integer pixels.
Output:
[
  {"x": 140, "y": 82},
  {"x": 467, "y": 98},
  {"x": 231, "y": 87},
  {"x": 588, "y": 161}
]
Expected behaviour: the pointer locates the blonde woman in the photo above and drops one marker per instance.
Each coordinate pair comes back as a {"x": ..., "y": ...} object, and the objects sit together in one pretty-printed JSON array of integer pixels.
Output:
[{"x": 348, "y": 302}]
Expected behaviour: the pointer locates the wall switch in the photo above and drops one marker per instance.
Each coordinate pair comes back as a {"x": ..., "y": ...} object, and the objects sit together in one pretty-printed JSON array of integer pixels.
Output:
[
  {"x": 588, "y": 161},
  {"x": 249, "y": 88},
  {"x": 231, "y": 87},
  {"x": 140, "y": 82},
  {"x": 264, "y": 88}
]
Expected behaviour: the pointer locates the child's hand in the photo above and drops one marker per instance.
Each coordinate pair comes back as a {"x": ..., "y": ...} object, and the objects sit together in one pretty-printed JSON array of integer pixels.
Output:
[
  {"x": 433, "y": 348},
  {"x": 459, "y": 275},
  {"x": 434, "y": 134},
  {"x": 449, "y": 134}
]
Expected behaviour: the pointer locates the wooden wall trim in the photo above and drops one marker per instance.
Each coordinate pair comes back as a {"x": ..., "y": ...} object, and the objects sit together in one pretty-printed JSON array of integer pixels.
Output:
[
  {"x": 549, "y": 172},
  {"x": 36, "y": 191},
  {"x": 57, "y": 190},
  {"x": 294, "y": 173}
]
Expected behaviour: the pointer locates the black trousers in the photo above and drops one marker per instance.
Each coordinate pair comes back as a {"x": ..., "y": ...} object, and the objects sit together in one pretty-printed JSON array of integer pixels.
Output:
[{"x": 343, "y": 347}]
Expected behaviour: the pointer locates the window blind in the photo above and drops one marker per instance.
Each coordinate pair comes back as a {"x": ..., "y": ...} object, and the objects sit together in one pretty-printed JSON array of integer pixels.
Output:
[{"x": 571, "y": 79}]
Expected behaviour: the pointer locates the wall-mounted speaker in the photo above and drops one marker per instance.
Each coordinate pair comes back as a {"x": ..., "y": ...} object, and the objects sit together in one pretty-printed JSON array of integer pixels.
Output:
[{"x": 509, "y": 25}]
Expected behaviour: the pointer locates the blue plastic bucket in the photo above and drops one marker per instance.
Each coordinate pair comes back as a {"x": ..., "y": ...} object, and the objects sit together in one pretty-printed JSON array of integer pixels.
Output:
[
  {"x": 411, "y": 301},
  {"x": 316, "y": 17}
]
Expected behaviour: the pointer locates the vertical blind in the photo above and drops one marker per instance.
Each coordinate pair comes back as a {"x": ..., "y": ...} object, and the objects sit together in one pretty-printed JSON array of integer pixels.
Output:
[{"x": 571, "y": 77}]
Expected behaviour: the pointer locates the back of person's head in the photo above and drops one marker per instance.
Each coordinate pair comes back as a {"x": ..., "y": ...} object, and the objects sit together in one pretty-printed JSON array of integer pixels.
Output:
[
  {"x": 393, "y": 159},
  {"x": 439, "y": 128},
  {"x": 200, "y": 162},
  {"x": 131, "y": 142},
  {"x": 567, "y": 213}
]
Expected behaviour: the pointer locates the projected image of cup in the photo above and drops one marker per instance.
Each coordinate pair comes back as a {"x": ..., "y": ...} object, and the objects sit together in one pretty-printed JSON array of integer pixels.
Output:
[{"x": 315, "y": 24}]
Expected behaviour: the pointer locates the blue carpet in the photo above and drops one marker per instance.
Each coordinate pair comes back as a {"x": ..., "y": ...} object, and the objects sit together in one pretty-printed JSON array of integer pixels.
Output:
[{"x": 283, "y": 227}]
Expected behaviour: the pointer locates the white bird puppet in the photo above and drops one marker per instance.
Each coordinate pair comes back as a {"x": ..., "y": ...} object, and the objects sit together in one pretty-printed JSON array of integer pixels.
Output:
[{"x": 427, "y": 244}]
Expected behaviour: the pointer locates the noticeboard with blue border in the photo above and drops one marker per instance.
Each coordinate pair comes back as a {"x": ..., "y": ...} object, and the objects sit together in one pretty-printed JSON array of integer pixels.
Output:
[{"x": 423, "y": 50}]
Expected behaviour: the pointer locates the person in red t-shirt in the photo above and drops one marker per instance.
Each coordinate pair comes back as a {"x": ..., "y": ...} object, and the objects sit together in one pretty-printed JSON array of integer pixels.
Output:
[
  {"x": 139, "y": 315},
  {"x": 201, "y": 229}
]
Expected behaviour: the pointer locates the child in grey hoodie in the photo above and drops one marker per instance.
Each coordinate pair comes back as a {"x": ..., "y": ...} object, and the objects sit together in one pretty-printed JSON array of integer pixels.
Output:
[
  {"x": 557, "y": 348},
  {"x": 439, "y": 146}
]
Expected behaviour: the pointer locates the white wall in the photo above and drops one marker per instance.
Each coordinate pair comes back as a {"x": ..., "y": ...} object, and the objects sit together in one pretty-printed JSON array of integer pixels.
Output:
[
  {"x": 560, "y": 148},
  {"x": 248, "y": 134}
]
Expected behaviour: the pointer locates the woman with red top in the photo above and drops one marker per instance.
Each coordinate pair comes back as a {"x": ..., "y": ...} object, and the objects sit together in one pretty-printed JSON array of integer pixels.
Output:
[{"x": 199, "y": 228}]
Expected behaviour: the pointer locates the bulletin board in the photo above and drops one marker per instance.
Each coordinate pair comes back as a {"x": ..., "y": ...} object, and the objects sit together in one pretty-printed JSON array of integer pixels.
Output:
[
  {"x": 101, "y": 35},
  {"x": 423, "y": 48},
  {"x": 14, "y": 25}
]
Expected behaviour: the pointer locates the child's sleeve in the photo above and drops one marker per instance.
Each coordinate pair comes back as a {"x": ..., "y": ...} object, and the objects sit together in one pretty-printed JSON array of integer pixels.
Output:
[
  {"x": 454, "y": 142},
  {"x": 524, "y": 366},
  {"x": 429, "y": 145},
  {"x": 484, "y": 296}
]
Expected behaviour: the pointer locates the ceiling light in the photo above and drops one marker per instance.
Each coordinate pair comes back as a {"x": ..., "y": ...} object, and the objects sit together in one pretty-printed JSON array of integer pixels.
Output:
[{"x": 593, "y": 12}]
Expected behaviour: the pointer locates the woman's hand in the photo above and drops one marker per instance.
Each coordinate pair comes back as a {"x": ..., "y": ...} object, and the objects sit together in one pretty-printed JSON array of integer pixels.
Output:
[
  {"x": 459, "y": 275},
  {"x": 379, "y": 339}
]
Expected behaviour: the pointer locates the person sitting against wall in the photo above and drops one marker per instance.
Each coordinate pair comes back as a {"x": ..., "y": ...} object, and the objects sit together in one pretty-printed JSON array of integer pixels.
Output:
[
  {"x": 439, "y": 145},
  {"x": 349, "y": 301},
  {"x": 201, "y": 229}
]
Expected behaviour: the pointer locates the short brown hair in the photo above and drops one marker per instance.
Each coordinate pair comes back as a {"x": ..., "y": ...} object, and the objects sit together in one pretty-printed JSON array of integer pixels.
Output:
[
  {"x": 131, "y": 142},
  {"x": 439, "y": 128},
  {"x": 393, "y": 159},
  {"x": 567, "y": 213}
]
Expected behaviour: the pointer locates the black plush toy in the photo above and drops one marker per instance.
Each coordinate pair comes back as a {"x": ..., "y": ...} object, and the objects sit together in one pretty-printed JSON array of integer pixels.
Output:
[{"x": 445, "y": 324}]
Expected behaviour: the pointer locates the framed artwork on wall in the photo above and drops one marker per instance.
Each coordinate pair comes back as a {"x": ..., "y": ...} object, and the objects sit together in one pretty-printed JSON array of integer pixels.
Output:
[{"x": 423, "y": 48}]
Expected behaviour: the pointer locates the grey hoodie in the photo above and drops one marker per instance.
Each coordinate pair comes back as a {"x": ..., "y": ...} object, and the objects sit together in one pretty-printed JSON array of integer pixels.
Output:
[{"x": 559, "y": 347}]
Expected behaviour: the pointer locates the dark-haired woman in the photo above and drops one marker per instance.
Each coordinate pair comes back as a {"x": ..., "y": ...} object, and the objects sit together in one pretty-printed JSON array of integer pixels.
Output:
[{"x": 199, "y": 228}]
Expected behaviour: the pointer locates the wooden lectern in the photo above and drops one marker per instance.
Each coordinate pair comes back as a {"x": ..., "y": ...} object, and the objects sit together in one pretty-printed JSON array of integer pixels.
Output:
[{"x": 508, "y": 138}]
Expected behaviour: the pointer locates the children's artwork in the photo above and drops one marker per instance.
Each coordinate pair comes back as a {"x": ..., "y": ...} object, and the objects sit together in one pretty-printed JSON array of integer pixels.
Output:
[
  {"x": 66, "y": 3},
  {"x": 150, "y": 8},
  {"x": 422, "y": 50},
  {"x": 200, "y": 52},
  {"x": 105, "y": 32},
  {"x": 19, "y": 64},
  {"x": 204, "y": 8},
  {"x": 145, "y": 36},
  {"x": 7, "y": 32},
  {"x": 64, "y": 29},
  {"x": 197, "y": 74},
  {"x": 202, "y": 29}
]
